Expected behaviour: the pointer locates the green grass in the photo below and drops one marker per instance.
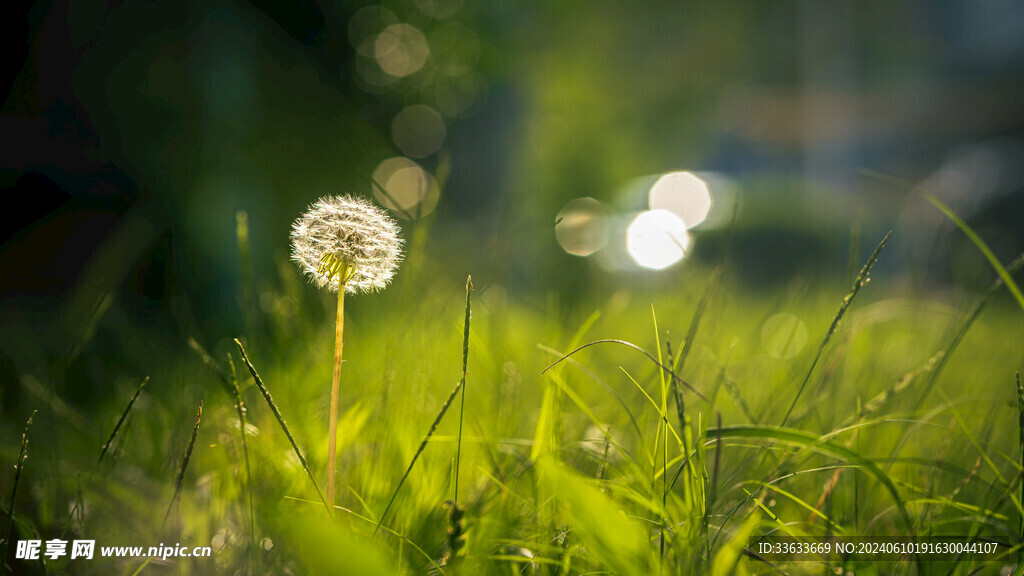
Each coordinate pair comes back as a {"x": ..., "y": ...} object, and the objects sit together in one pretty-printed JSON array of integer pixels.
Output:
[{"x": 637, "y": 452}]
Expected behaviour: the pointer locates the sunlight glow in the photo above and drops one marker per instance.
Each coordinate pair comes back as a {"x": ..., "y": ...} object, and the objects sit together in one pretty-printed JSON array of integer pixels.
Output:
[
  {"x": 581, "y": 227},
  {"x": 418, "y": 131},
  {"x": 401, "y": 50},
  {"x": 657, "y": 239},
  {"x": 683, "y": 194},
  {"x": 409, "y": 191}
]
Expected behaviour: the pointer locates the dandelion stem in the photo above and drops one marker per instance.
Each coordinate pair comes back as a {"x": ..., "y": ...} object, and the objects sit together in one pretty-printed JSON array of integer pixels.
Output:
[{"x": 332, "y": 431}]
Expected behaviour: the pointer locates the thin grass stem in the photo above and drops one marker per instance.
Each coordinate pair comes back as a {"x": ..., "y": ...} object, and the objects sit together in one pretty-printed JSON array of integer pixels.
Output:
[
  {"x": 967, "y": 230},
  {"x": 1020, "y": 431},
  {"x": 120, "y": 421},
  {"x": 19, "y": 465},
  {"x": 230, "y": 382},
  {"x": 184, "y": 465},
  {"x": 858, "y": 283},
  {"x": 240, "y": 408},
  {"x": 419, "y": 450},
  {"x": 280, "y": 420},
  {"x": 462, "y": 407},
  {"x": 965, "y": 326}
]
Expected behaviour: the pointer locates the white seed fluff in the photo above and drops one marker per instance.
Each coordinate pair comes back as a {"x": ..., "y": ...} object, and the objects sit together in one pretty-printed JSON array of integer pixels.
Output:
[{"x": 355, "y": 232}]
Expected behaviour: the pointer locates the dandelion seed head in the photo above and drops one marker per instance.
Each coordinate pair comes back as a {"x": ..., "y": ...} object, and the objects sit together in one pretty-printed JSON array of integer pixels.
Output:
[{"x": 345, "y": 238}]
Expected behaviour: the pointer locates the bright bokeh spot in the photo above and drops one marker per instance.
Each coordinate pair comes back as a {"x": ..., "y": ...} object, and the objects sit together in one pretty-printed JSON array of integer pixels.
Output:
[
  {"x": 401, "y": 50},
  {"x": 581, "y": 227},
  {"x": 657, "y": 239},
  {"x": 783, "y": 336},
  {"x": 682, "y": 194},
  {"x": 418, "y": 131},
  {"x": 408, "y": 190}
]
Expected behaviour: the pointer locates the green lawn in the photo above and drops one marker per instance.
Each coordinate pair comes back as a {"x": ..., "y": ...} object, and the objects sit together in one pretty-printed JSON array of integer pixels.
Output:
[{"x": 589, "y": 467}]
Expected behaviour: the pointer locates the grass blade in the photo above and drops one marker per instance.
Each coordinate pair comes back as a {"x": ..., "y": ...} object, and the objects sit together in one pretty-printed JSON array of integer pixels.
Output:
[
  {"x": 240, "y": 408},
  {"x": 691, "y": 333},
  {"x": 462, "y": 407},
  {"x": 423, "y": 444},
  {"x": 978, "y": 242},
  {"x": 965, "y": 326},
  {"x": 1020, "y": 428},
  {"x": 184, "y": 464},
  {"x": 230, "y": 383},
  {"x": 858, "y": 283},
  {"x": 18, "y": 466},
  {"x": 437, "y": 419},
  {"x": 801, "y": 439},
  {"x": 120, "y": 421},
  {"x": 1000, "y": 269},
  {"x": 280, "y": 420},
  {"x": 649, "y": 356}
]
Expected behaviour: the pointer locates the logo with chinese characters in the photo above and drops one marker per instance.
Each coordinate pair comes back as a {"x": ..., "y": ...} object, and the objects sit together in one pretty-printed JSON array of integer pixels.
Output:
[{"x": 56, "y": 548}]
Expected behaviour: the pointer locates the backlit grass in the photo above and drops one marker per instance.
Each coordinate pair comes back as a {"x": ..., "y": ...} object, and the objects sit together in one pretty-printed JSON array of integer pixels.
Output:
[{"x": 667, "y": 449}]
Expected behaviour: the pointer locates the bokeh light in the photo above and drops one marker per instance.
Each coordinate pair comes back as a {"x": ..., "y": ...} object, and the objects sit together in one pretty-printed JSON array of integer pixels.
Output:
[
  {"x": 367, "y": 22},
  {"x": 418, "y": 131},
  {"x": 401, "y": 50},
  {"x": 581, "y": 227},
  {"x": 408, "y": 190},
  {"x": 459, "y": 96},
  {"x": 657, "y": 239},
  {"x": 783, "y": 336},
  {"x": 683, "y": 194},
  {"x": 456, "y": 49}
]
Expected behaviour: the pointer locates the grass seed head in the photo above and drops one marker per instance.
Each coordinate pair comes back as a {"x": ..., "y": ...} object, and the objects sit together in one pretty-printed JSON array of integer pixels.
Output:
[{"x": 345, "y": 240}]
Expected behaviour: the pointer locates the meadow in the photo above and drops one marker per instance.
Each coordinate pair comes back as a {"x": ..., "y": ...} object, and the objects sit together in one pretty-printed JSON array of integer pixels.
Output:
[
  {"x": 657, "y": 428},
  {"x": 814, "y": 350}
]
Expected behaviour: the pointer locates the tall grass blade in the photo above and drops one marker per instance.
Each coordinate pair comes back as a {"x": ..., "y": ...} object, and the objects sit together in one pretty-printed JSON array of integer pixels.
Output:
[
  {"x": 462, "y": 407},
  {"x": 965, "y": 326},
  {"x": 209, "y": 362},
  {"x": 698, "y": 313},
  {"x": 858, "y": 283},
  {"x": 19, "y": 465},
  {"x": 1020, "y": 431},
  {"x": 618, "y": 397},
  {"x": 978, "y": 242},
  {"x": 77, "y": 507},
  {"x": 419, "y": 450},
  {"x": 640, "y": 350},
  {"x": 280, "y": 420},
  {"x": 879, "y": 400},
  {"x": 184, "y": 464},
  {"x": 120, "y": 421},
  {"x": 230, "y": 382},
  {"x": 437, "y": 419},
  {"x": 240, "y": 408},
  {"x": 808, "y": 440}
]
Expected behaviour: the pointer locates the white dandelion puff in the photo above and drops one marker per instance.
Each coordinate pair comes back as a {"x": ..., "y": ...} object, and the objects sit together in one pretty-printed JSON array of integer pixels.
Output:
[
  {"x": 346, "y": 240},
  {"x": 346, "y": 244}
]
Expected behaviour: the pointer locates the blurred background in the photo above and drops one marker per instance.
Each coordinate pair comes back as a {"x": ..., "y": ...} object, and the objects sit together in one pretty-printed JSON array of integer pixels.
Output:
[{"x": 154, "y": 154}]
